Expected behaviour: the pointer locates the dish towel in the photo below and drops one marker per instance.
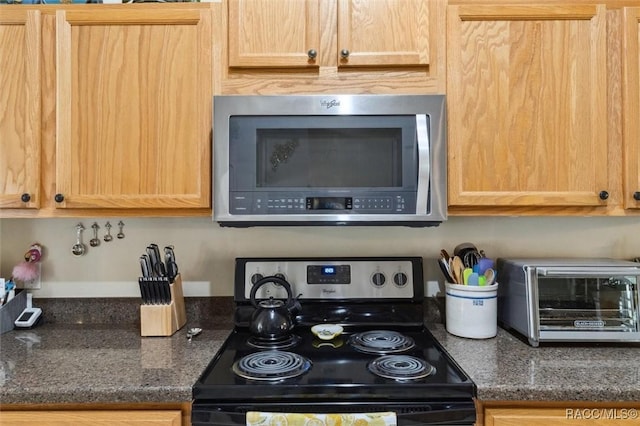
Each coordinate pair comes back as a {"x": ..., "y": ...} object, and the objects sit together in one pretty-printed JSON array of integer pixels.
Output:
[{"x": 259, "y": 418}]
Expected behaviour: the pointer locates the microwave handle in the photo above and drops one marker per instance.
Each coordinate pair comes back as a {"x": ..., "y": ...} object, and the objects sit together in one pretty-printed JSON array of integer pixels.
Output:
[
  {"x": 424, "y": 163},
  {"x": 591, "y": 272}
]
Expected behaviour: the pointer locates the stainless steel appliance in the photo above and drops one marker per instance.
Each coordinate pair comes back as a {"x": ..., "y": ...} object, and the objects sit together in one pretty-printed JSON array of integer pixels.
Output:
[
  {"x": 569, "y": 300},
  {"x": 329, "y": 160},
  {"x": 385, "y": 359}
]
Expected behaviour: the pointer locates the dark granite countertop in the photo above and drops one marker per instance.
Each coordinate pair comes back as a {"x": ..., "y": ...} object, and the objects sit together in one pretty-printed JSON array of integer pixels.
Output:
[
  {"x": 506, "y": 368},
  {"x": 85, "y": 362},
  {"x": 56, "y": 363}
]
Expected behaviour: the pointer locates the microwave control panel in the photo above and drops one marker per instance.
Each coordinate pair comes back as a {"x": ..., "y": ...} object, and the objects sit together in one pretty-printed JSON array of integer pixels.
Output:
[{"x": 249, "y": 203}]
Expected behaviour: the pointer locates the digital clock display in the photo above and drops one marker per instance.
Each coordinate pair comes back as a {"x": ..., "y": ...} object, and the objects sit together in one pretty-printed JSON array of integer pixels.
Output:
[{"x": 328, "y": 270}]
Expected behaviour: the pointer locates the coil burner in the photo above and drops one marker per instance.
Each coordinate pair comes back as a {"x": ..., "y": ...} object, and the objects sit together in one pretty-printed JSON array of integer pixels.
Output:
[
  {"x": 282, "y": 343},
  {"x": 381, "y": 342},
  {"x": 271, "y": 365},
  {"x": 401, "y": 367}
]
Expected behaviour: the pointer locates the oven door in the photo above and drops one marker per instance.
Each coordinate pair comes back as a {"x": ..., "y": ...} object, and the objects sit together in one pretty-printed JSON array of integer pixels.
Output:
[
  {"x": 460, "y": 413},
  {"x": 586, "y": 304}
]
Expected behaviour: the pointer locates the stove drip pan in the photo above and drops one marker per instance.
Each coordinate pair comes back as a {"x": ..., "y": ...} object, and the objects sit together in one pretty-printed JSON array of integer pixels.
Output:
[
  {"x": 381, "y": 342},
  {"x": 271, "y": 365},
  {"x": 282, "y": 343},
  {"x": 401, "y": 367}
]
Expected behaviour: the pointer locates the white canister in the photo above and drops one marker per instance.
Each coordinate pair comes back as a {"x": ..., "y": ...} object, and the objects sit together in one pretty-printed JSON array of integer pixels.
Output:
[{"x": 472, "y": 311}]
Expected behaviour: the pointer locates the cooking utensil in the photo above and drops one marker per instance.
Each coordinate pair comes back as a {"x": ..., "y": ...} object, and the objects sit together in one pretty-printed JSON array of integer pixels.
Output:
[
  {"x": 444, "y": 267},
  {"x": 491, "y": 276},
  {"x": 120, "y": 234},
  {"x": 78, "y": 248},
  {"x": 272, "y": 318},
  {"x": 108, "y": 236},
  {"x": 170, "y": 263},
  {"x": 144, "y": 267},
  {"x": 445, "y": 255},
  {"x": 484, "y": 263},
  {"x": 456, "y": 269},
  {"x": 466, "y": 273},
  {"x": 326, "y": 331},
  {"x": 95, "y": 241},
  {"x": 473, "y": 279},
  {"x": 193, "y": 332}
]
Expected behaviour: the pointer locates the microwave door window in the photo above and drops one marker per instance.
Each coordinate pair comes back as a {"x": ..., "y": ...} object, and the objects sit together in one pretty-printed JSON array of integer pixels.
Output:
[
  {"x": 588, "y": 304},
  {"x": 329, "y": 158}
]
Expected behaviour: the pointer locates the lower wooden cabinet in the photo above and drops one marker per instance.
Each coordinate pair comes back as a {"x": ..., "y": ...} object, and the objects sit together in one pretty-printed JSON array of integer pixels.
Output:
[
  {"x": 570, "y": 413},
  {"x": 147, "y": 414},
  {"x": 78, "y": 418}
]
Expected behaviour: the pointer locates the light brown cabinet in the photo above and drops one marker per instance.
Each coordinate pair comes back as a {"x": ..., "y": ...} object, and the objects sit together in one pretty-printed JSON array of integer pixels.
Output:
[
  {"x": 540, "y": 413},
  {"x": 287, "y": 33},
  {"x": 20, "y": 139},
  {"x": 125, "y": 122},
  {"x": 91, "y": 418},
  {"x": 354, "y": 46},
  {"x": 527, "y": 106},
  {"x": 134, "y": 92},
  {"x": 630, "y": 25}
]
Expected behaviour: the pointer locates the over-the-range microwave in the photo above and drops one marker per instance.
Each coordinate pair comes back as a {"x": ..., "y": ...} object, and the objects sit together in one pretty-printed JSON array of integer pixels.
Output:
[{"x": 329, "y": 160}]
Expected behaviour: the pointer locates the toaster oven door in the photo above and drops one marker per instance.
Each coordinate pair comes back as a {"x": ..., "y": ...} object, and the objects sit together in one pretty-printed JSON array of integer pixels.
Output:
[{"x": 587, "y": 305}]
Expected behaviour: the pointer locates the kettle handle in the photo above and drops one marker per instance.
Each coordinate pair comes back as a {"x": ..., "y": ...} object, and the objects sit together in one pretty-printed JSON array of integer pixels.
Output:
[{"x": 273, "y": 279}]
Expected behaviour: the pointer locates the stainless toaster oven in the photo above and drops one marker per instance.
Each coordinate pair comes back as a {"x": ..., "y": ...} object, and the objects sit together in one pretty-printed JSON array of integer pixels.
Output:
[{"x": 569, "y": 300}]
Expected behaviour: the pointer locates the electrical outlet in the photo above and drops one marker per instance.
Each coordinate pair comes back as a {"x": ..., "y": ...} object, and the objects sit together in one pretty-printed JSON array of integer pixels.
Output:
[{"x": 36, "y": 283}]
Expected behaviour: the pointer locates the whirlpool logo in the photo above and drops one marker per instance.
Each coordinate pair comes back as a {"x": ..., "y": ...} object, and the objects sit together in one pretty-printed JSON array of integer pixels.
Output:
[{"x": 328, "y": 104}]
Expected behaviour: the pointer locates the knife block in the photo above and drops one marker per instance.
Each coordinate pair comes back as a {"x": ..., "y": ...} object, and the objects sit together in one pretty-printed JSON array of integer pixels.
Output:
[{"x": 164, "y": 320}]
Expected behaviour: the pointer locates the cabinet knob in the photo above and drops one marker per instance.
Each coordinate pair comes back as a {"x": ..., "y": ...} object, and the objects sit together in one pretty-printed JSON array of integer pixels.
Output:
[
  {"x": 344, "y": 53},
  {"x": 312, "y": 53},
  {"x": 59, "y": 198},
  {"x": 636, "y": 195},
  {"x": 25, "y": 197},
  {"x": 603, "y": 195}
]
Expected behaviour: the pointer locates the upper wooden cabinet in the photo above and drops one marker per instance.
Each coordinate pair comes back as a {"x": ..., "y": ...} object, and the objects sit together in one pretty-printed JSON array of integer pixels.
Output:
[
  {"x": 134, "y": 90},
  {"x": 20, "y": 139},
  {"x": 631, "y": 106},
  {"x": 527, "y": 105},
  {"x": 300, "y": 33}
]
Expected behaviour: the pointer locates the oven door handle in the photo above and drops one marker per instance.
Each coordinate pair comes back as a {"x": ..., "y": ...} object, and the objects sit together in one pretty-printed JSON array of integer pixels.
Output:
[
  {"x": 424, "y": 163},
  {"x": 596, "y": 272}
]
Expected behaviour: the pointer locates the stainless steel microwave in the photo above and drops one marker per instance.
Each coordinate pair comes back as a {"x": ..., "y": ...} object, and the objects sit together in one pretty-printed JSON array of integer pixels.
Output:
[
  {"x": 329, "y": 160},
  {"x": 570, "y": 300}
]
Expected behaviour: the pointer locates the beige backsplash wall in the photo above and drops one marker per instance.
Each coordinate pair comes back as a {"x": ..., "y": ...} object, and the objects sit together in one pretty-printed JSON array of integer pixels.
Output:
[{"x": 206, "y": 252}]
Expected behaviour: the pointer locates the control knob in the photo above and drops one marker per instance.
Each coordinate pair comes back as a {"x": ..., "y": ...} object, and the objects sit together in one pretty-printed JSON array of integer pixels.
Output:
[
  {"x": 378, "y": 279},
  {"x": 400, "y": 279}
]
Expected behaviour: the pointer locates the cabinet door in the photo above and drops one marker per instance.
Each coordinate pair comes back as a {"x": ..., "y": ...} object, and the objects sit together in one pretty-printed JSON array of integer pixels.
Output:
[
  {"x": 631, "y": 106},
  {"x": 595, "y": 416},
  {"x": 93, "y": 418},
  {"x": 20, "y": 97},
  {"x": 527, "y": 105},
  {"x": 383, "y": 32},
  {"x": 274, "y": 33},
  {"x": 134, "y": 94}
]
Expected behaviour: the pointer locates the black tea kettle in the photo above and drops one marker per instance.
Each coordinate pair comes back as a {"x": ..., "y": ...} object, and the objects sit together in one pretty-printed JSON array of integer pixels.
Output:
[{"x": 272, "y": 318}]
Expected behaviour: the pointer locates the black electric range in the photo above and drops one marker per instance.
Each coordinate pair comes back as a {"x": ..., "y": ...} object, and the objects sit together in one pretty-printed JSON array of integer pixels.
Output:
[{"x": 384, "y": 360}]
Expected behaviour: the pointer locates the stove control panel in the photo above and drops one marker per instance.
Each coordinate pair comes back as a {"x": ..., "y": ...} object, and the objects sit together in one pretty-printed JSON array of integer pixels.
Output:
[{"x": 333, "y": 279}]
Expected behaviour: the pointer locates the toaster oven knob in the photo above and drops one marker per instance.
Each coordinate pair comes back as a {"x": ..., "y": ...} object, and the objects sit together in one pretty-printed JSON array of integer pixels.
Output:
[
  {"x": 255, "y": 278},
  {"x": 603, "y": 195},
  {"x": 400, "y": 279},
  {"x": 378, "y": 279},
  {"x": 636, "y": 195}
]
